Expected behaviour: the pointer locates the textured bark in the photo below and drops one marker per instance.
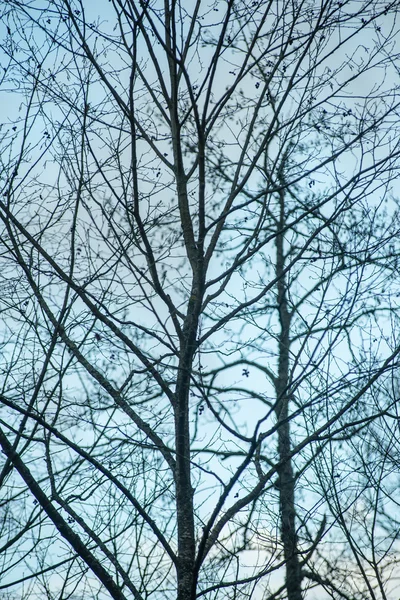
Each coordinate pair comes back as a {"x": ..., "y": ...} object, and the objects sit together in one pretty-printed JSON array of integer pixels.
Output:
[{"x": 183, "y": 484}]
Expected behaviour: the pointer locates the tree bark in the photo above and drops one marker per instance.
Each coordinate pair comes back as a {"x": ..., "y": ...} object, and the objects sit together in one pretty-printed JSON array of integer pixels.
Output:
[{"x": 183, "y": 484}]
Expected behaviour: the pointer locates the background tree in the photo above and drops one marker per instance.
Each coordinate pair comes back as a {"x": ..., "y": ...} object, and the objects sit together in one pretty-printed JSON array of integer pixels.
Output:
[{"x": 199, "y": 255}]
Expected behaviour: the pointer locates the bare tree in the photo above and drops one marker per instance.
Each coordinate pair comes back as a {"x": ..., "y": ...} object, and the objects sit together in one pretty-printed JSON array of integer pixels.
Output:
[{"x": 199, "y": 299}]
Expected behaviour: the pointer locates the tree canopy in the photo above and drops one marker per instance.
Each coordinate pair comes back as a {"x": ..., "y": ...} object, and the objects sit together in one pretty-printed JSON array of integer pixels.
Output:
[{"x": 199, "y": 299}]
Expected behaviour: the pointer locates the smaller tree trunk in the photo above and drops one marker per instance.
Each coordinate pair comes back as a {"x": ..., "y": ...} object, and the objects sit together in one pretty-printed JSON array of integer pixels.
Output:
[{"x": 286, "y": 481}]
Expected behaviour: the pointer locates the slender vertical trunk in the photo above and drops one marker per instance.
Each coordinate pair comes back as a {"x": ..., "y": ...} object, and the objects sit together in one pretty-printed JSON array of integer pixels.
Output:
[
  {"x": 184, "y": 502},
  {"x": 184, "y": 490},
  {"x": 183, "y": 485},
  {"x": 288, "y": 518},
  {"x": 286, "y": 481}
]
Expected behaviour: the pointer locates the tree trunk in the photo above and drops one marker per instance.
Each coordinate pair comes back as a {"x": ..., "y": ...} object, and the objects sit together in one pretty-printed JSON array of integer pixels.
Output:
[
  {"x": 184, "y": 490},
  {"x": 286, "y": 481}
]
